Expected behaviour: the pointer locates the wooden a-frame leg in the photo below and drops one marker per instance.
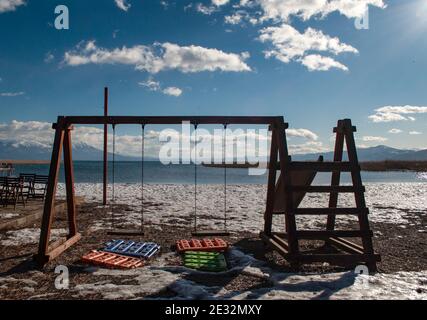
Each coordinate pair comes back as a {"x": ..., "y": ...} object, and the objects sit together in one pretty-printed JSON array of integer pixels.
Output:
[
  {"x": 69, "y": 183},
  {"x": 268, "y": 215},
  {"x": 286, "y": 174},
  {"x": 336, "y": 175},
  {"x": 48, "y": 210},
  {"x": 359, "y": 197}
]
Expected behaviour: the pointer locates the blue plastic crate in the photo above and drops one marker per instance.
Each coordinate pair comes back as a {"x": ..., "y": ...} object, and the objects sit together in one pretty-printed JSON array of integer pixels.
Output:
[{"x": 131, "y": 248}]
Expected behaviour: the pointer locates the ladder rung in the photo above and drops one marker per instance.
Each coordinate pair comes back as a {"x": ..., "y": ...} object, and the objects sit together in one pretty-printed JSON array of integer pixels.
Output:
[
  {"x": 324, "y": 235},
  {"x": 343, "y": 166},
  {"x": 326, "y": 189},
  {"x": 326, "y": 211}
]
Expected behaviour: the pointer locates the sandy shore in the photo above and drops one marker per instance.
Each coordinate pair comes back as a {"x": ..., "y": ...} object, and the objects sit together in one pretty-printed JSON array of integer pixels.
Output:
[{"x": 398, "y": 220}]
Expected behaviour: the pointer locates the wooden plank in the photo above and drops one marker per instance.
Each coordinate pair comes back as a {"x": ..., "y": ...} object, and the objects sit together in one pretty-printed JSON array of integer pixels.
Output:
[
  {"x": 34, "y": 217},
  {"x": 64, "y": 246},
  {"x": 274, "y": 244},
  {"x": 172, "y": 120},
  {"x": 331, "y": 211},
  {"x": 348, "y": 242},
  {"x": 299, "y": 178},
  {"x": 340, "y": 244},
  {"x": 283, "y": 243},
  {"x": 323, "y": 235}
]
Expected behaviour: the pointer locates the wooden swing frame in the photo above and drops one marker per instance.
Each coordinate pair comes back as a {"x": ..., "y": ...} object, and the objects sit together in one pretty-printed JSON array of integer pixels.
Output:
[{"x": 286, "y": 244}]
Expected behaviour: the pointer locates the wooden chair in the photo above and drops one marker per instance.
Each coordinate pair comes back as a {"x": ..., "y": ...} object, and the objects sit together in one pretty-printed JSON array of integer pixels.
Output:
[
  {"x": 13, "y": 192},
  {"x": 40, "y": 186},
  {"x": 28, "y": 183}
]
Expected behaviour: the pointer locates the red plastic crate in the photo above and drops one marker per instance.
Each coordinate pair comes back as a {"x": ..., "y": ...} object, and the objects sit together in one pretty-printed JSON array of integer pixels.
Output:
[
  {"x": 111, "y": 260},
  {"x": 216, "y": 244}
]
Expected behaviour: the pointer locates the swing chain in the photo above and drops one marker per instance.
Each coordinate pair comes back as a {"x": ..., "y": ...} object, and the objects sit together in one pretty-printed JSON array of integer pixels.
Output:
[
  {"x": 195, "y": 176},
  {"x": 142, "y": 174},
  {"x": 224, "y": 141},
  {"x": 113, "y": 177}
]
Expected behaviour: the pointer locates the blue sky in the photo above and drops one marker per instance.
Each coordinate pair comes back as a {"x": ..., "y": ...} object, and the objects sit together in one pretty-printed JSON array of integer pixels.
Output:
[{"x": 219, "y": 57}]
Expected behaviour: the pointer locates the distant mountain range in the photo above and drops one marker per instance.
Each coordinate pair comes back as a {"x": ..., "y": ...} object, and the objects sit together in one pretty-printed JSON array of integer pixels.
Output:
[
  {"x": 31, "y": 151},
  {"x": 378, "y": 153},
  {"x": 84, "y": 152}
]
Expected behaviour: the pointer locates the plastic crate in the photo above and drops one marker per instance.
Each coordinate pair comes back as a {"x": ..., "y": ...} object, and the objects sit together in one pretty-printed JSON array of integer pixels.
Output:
[
  {"x": 205, "y": 261},
  {"x": 215, "y": 244},
  {"x": 142, "y": 250}
]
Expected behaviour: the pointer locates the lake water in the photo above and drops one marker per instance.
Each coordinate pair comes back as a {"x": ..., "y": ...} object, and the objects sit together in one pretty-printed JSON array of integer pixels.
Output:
[{"x": 157, "y": 173}]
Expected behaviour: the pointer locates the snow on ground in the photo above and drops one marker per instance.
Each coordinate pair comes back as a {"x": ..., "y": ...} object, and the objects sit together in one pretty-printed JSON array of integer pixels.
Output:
[
  {"x": 150, "y": 280},
  {"x": 27, "y": 236},
  {"x": 8, "y": 215},
  {"x": 388, "y": 202}
]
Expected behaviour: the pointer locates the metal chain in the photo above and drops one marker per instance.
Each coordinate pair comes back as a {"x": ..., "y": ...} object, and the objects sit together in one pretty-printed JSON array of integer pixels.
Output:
[
  {"x": 142, "y": 175},
  {"x": 195, "y": 177}
]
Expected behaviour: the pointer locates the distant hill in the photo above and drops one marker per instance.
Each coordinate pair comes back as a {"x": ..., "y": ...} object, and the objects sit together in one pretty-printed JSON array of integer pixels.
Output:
[
  {"x": 33, "y": 151},
  {"x": 84, "y": 152},
  {"x": 378, "y": 153}
]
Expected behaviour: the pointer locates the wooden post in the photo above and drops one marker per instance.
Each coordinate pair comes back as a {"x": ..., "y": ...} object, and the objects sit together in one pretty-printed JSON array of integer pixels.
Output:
[
  {"x": 286, "y": 174},
  {"x": 357, "y": 183},
  {"x": 105, "y": 168},
  {"x": 48, "y": 210},
  {"x": 336, "y": 175},
  {"x": 69, "y": 183},
  {"x": 268, "y": 215}
]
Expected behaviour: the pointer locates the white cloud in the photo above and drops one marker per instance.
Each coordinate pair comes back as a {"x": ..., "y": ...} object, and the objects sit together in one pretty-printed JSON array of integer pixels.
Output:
[
  {"x": 151, "y": 84},
  {"x": 315, "y": 62},
  {"x": 159, "y": 57},
  {"x": 308, "y": 147},
  {"x": 374, "y": 139},
  {"x": 172, "y": 91},
  {"x": 207, "y": 10},
  {"x": 12, "y": 94},
  {"x": 302, "y": 133},
  {"x": 396, "y": 113},
  {"x": 10, "y": 5},
  {"x": 122, "y": 4},
  {"x": 395, "y": 131},
  {"x": 49, "y": 57},
  {"x": 415, "y": 133},
  {"x": 220, "y": 2},
  {"x": 291, "y": 45},
  {"x": 154, "y": 85},
  {"x": 306, "y": 9}
]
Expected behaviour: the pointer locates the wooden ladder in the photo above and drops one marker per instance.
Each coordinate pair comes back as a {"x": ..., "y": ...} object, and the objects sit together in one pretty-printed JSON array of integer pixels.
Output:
[{"x": 296, "y": 178}]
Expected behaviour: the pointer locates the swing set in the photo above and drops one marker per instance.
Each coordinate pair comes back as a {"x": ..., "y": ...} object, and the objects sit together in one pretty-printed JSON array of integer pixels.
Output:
[
  {"x": 284, "y": 194},
  {"x": 196, "y": 231}
]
